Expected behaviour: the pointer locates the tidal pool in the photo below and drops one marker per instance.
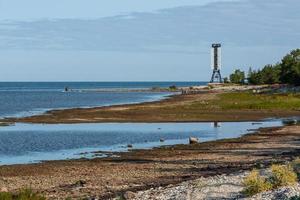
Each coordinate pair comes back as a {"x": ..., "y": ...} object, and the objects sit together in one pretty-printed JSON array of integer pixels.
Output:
[{"x": 31, "y": 143}]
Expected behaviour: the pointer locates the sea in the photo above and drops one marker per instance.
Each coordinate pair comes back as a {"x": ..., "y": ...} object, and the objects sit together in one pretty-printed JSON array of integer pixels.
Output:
[
  {"x": 24, "y": 143},
  {"x": 18, "y": 99}
]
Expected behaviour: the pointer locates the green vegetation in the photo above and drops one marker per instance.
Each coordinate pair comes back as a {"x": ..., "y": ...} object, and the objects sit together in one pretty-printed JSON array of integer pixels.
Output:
[
  {"x": 6, "y": 196},
  {"x": 254, "y": 183},
  {"x": 268, "y": 75},
  {"x": 285, "y": 72},
  {"x": 281, "y": 175},
  {"x": 296, "y": 166},
  {"x": 26, "y": 194},
  {"x": 290, "y": 68},
  {"x": 248, "y": 100},
  {"x": 173, "y": 87},
  {"x": 237, "y": 77},
  {"x": 295, "y": 198}
]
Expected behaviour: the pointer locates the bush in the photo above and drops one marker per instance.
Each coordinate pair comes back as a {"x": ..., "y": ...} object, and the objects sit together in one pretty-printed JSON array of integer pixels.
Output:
[
  {"x": 254, "y": 184},
  {"x": 173, "y": 87},
  {"x": 26, "y": 194},
  {"x": 296, "y": 166},
  {"x": 237, "y": 77},
  {"x": 295, "y": 198},
  {"x": 282, "y": 176}
]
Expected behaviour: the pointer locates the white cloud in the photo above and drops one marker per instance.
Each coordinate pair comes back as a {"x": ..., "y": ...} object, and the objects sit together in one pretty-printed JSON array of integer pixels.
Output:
[{"x": 183, "y": 29}]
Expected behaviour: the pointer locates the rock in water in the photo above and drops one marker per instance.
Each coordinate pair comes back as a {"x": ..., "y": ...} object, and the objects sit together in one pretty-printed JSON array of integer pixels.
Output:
[
  {"x": 194, "y": 140},
  {"x": 161, "y": 139},
  {"x": 129, "y": 145}
]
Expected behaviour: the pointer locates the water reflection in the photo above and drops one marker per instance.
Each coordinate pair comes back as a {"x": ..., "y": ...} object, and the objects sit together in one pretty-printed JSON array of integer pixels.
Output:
[{"x": 26, "y": 143}]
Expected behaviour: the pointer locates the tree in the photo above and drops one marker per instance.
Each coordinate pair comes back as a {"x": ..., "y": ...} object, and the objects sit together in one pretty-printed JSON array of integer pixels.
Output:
[
  {"x": 255, "y": 77},
  {"x": 237, "y": 77},
  {"x": 225, "y": 80},
  {"x": 287, "y": 72},
  {"x": 290, "y": 68},
  {"x": 270, "y": 74}
]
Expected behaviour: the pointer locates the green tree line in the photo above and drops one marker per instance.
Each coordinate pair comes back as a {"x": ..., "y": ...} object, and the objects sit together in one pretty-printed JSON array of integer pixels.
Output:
[{"x": 285, "y": 72}]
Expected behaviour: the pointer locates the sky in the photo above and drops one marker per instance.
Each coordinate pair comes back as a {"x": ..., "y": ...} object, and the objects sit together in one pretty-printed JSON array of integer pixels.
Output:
[{"x": 140, "y": 40}]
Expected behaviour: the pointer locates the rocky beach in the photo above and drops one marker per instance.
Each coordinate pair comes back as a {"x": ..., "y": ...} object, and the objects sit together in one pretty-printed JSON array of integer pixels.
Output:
[{"x": 162, "y": 168}]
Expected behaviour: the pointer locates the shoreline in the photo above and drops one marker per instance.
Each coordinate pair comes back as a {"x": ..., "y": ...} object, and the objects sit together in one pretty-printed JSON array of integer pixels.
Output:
[
  {"x": 44, "y": 111},
  {"x": 139, "y": 170},
  {"x": 198, "y": 107}
]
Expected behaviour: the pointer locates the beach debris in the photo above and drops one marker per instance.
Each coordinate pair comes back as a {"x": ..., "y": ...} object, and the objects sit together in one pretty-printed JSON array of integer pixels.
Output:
[
  {"x": 193, "y": 140},
  {"x": 130, "y": 146},
  {"x": 161, "y": 139}
]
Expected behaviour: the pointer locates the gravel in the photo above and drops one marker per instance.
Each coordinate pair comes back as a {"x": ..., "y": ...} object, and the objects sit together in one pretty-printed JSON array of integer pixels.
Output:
[{"x": 220, "y": 187}]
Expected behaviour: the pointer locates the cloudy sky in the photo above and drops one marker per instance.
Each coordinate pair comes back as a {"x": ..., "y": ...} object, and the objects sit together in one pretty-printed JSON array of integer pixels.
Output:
[{"x": 140, "y": 40}]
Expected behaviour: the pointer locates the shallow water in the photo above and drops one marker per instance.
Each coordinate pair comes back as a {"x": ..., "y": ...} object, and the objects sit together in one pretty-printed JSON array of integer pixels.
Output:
[
  {"x": 27, "y": 143},
  {"x": 30, "y": 98}
]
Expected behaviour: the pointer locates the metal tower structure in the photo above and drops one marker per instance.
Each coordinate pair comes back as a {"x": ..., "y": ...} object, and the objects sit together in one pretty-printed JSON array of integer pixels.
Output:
[{"x": 216, "y": 63}]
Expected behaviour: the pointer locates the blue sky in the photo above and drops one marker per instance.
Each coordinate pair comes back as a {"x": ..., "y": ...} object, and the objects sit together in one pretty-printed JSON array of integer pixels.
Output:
[{"x": 139, "y": 40}]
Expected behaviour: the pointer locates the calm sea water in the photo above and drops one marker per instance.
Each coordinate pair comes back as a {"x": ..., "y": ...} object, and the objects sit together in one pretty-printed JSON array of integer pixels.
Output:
[
  {"x": 29, "y": 98},
  {"x": 29, "y": 143},
  {"x": 26, "y": 143}
]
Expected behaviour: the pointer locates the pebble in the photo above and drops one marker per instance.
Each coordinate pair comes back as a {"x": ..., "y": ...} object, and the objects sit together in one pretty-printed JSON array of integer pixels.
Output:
[
  {"x": 227, "y": 187},
  {"x": 3, "y": 189},
  {"x": 129, "y": 195}
]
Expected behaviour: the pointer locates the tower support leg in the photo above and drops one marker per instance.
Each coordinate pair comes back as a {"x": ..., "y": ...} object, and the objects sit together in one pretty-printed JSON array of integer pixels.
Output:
[{"x": 216, "y": 77}]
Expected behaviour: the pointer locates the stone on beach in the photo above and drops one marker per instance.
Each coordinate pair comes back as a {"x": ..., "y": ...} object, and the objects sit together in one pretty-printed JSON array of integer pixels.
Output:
[
  {"x": 129, "y": 195},
  {"x": 193, "y": 140}
]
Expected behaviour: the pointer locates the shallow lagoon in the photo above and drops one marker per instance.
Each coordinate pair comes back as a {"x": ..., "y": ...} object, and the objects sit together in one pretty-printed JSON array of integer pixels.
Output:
[{"x": 30, "y": 143}]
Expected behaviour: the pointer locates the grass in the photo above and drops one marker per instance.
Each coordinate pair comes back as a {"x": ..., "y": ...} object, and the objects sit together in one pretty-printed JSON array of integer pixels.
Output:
[
  {"x": 248, "y": 100},
  {"x": 281, "y": 175},
  {"x": 254, "y": 183},
  {"x": 25, "y": 194},
  {"x": 296, "y": 167}
]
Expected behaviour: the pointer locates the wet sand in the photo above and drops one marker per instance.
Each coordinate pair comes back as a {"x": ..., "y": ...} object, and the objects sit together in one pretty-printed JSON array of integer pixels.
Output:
[{"x": 144, "y": 169}]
